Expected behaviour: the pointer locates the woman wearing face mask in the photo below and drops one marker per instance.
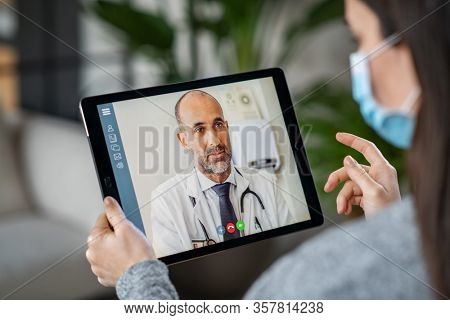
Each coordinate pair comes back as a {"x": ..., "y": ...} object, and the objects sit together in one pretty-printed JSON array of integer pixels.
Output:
[{"x": 401, "y": 81}]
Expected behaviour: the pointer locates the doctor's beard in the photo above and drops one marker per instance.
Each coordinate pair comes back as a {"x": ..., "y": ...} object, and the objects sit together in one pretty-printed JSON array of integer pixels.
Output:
[{"x": 218, "y": 166}]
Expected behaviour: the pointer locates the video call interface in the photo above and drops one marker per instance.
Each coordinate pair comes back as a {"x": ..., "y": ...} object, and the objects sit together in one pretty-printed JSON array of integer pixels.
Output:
[{"x": 200, "y": 167}]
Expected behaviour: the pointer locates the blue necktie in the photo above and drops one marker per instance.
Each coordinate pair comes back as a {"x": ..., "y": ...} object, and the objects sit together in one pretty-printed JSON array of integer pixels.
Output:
[{"x": 227, "y": 214}]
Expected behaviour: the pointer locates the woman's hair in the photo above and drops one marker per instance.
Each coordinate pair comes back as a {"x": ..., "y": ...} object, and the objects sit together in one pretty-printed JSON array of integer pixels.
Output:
[{"x": 424, "y": 26}]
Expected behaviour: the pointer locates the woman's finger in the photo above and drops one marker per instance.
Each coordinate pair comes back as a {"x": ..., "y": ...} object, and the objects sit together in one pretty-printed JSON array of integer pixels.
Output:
[
  {"x": 348, "y": 191},
  {"x": 354, "y": 201},
  {"x": 337, "y": 177},
  {"x": 368, "y": 149},
  {"x": 114, "y": 213},
  {"x": 360, "y": 176},
  {"x": 100, "y": 228}
]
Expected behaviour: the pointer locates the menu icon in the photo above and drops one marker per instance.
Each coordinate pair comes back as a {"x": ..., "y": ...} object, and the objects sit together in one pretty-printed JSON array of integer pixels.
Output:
[{"x": 106, "y": 111}]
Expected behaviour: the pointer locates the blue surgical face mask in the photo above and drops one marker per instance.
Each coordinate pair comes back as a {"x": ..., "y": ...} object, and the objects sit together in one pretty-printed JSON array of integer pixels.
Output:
[{"x": 395, "y": 125}]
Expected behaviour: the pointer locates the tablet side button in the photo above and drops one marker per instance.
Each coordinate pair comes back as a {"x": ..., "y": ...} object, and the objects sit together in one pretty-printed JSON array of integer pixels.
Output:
[{"x": 108, "y": 183}]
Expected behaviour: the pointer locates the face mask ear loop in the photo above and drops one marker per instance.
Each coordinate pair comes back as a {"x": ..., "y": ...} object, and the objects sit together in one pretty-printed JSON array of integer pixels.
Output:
[
  {"x": 361, "y": 58},
  {"x": 387, "y": 43},
  {"x": 411, "y": 100}
]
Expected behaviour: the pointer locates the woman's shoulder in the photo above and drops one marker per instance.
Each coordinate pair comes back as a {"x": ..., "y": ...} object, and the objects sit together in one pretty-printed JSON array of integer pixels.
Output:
[{"x": 375, "y": 258}]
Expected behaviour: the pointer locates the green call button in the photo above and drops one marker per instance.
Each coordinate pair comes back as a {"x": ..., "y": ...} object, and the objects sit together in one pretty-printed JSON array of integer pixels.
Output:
[{"x": 240, "y": 225}]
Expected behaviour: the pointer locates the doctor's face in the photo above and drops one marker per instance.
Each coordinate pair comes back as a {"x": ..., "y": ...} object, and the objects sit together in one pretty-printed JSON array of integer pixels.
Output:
[{"x": 204, "y": 131}]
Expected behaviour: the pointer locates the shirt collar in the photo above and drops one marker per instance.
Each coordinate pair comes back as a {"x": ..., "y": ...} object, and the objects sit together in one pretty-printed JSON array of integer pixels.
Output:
[{"x": 206, "y": 183}]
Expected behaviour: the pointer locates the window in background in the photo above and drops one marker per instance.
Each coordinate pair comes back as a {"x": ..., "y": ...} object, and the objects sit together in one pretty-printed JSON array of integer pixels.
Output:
[
  {"x": 9, "y": 91},
  {"x": 48, "y": 67}
]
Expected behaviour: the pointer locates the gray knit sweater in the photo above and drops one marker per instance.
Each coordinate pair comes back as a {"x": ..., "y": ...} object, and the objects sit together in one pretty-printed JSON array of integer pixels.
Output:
[{"x": 378, "y": 258}]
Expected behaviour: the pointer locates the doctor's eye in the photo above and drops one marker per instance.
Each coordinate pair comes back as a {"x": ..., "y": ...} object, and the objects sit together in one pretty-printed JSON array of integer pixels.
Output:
[
  {"x": 198, "y": 129},
  {"x": 219, "y": 124}
]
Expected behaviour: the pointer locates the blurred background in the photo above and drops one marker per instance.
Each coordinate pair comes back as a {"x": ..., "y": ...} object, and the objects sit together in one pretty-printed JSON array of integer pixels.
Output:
[{"x": 54, "y": 52}]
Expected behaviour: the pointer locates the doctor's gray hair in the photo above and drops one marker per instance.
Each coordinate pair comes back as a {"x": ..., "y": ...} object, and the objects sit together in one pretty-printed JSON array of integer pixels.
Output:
[{"x": 177, "y": 105}]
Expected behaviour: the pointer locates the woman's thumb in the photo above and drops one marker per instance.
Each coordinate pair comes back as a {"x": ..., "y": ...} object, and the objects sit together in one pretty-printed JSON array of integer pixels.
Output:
[
  {"x": 358, "y": 175},
  {"x": 114, "y": 212}
]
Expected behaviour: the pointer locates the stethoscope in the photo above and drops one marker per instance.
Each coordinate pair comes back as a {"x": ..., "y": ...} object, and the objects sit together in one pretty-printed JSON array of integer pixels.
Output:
[
  {"x": 208, "y": 241},
  {"x": 248, "y": 191}
]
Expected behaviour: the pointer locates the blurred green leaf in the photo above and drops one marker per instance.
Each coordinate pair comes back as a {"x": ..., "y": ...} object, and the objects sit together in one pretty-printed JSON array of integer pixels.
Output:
[
  {"x": 140, "y": 28},
  {"x": 146, "y": 32},
  {"x": 217, "y": 27},
  {"x": 320, "y": 13},
  {"x": 241, "y": 20}
]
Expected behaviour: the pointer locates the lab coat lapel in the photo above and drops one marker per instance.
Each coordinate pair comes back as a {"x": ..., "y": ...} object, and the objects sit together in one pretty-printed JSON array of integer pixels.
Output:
[
  {"x": 241, "y": 183},
  {"x": 192, "y": 186},
  {"x": 200, "y": 209}
]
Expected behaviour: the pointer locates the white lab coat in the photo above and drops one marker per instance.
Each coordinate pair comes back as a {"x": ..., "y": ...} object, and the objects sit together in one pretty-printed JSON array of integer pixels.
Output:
[{"x": 174, "y": 219}]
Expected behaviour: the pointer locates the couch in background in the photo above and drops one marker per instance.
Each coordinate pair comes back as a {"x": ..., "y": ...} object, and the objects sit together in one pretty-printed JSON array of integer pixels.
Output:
[{"x": 49, "y": 200}]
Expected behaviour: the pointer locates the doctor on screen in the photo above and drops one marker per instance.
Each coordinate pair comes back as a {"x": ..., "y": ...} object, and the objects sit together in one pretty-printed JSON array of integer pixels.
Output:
[{"x": 217, "y": 201}]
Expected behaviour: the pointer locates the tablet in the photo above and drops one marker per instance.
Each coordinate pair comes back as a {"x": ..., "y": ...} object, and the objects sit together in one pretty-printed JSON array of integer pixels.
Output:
[{"x": 206, "y": 165}]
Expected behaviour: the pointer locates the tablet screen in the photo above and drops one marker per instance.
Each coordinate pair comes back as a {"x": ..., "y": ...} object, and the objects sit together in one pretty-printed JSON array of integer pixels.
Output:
[{"x": 205, "y": 166}]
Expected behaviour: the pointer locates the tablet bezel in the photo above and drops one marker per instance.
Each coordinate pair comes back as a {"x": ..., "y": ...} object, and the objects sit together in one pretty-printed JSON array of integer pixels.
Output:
[{"x": 94, "y": 131}]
